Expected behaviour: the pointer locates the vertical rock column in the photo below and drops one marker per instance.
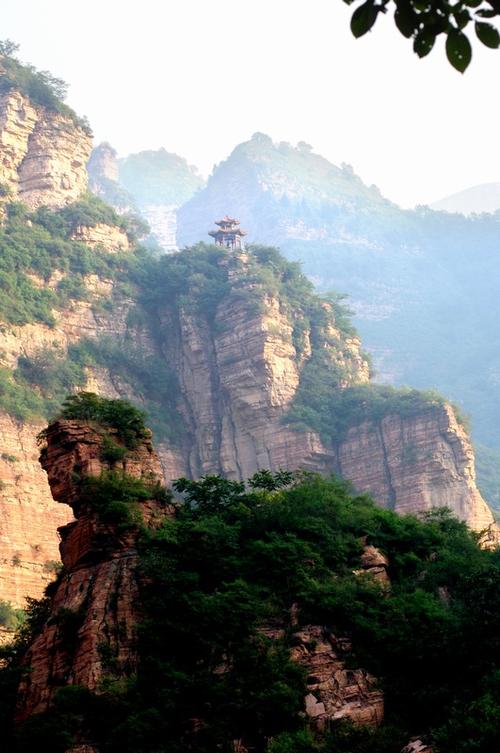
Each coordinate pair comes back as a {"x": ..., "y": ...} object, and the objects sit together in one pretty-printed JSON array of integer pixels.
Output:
[{"x": 90, "y": 630}]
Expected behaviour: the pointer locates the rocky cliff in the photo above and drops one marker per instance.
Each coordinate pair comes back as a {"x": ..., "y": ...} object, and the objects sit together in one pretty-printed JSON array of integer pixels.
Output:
[
  {"x": 89, "y": 631},
  {"x": 102, "y": 169},
  {"x": 43, "y": 154},
  {"x": 415, "y": 463},
  {"x": 29, "y": 517},
  {"x": 239, "y": 371}
]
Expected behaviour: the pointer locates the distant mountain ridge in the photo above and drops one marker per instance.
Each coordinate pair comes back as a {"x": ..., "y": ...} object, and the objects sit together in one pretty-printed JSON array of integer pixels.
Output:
[
  {"x": 154, "y": 183},
  {"x": 475, "y": 200}
]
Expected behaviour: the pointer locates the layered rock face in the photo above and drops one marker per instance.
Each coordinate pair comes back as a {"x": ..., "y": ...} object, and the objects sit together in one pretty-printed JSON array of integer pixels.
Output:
[
  {"x": 29, "y": 517},
  {"x": 235, "y": 386},
  {"x": 43, "y": 154},
  {"x": 415, "y": 463},
  {"x": 109, "y": 237},
  {"x": 89, "y": 632},
  {"x": 238, "y": 375}
]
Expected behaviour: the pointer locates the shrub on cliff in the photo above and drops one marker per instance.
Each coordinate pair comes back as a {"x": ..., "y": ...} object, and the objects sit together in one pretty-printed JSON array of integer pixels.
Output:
[
  {"x": 120, "y": 414},
  {"x": 10, "y": 618}
]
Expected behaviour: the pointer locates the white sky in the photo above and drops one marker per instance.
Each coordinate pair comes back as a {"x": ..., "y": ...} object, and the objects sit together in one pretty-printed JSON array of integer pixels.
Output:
[{"x": 199, "y": 76}]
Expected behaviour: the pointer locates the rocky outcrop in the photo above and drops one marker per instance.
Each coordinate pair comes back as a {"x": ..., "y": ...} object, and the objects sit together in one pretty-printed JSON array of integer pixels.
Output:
[
  {"x": 417, "y": 746},
  {"x": 102, "y": 169},
  {"x": 415, "y": 463},
  {"x": 42, "y": 153},
  {"x": 108, "y": 237},
  {"x": 29, "y": 517},
  {"x": 237, "y": 377},
  {"x": 102, "y": 165},
  {"x": 89, "y": 632},
  {"x": 335, "y": 692},
  {"x": 374, "y": 563}
]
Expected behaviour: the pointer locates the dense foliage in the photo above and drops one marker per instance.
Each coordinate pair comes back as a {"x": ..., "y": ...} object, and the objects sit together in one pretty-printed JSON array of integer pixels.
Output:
[
  {"x": 39, "y": 86},
  {"x": 233, "y": 561},
  {"x": 114, "y": 495},
  {"x": 10, "y": 617}
]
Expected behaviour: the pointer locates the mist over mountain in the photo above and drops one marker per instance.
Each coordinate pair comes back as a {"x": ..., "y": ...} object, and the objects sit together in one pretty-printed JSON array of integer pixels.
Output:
[
  {"x": 152, "y": 183},
  {"x": 477, "y": 199}
]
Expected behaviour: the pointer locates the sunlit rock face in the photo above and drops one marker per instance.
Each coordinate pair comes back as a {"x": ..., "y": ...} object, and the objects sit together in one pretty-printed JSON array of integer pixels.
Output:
[
  {"x": 43, "y": 154},
  {"x": 29, "y": 517}
]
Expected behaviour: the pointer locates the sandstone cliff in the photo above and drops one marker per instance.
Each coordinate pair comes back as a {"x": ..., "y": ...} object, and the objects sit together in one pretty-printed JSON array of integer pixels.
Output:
[
  {"x": 43, "y": 154},
  {"x": 29, "y": 517},
  {"x": 89, "y": 632},
  {"x": 415, "y": 463}
]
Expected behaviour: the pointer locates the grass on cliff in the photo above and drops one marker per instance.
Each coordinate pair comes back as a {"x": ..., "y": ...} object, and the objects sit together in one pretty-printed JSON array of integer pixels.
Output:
[
  {"x": 235, "y": 559},
  {"x": 320, "y": 405}
]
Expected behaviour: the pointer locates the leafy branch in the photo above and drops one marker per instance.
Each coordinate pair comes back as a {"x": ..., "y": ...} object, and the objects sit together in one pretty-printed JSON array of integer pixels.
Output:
[{"x": 424, "y": 21}]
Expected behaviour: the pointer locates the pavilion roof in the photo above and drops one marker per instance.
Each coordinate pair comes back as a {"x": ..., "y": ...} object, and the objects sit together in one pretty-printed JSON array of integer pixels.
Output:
[
  {"x": 227, "y": 221},
  {"x": 227, "y": 231}
]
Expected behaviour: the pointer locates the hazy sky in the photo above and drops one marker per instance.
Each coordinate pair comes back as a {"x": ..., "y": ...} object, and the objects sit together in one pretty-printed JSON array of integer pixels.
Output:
[{"x": 199, "y": 76}]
